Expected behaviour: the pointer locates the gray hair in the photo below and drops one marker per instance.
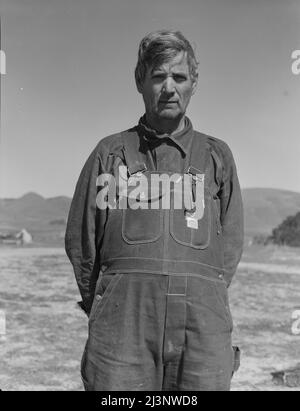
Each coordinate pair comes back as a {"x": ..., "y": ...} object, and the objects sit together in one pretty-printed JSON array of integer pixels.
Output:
[{"x": 161, "y": 46}]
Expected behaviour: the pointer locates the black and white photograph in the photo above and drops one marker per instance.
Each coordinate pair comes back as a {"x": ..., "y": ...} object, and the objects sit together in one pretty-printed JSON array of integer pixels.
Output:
[{"x": 149, "y": 198}]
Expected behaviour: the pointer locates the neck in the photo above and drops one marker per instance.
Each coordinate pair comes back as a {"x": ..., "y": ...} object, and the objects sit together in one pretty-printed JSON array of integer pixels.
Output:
[{"x": 166, "y": 126}]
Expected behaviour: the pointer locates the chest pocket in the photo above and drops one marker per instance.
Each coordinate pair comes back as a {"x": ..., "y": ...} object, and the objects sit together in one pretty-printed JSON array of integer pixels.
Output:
[
  {"x": 141, "y": 224},
  {"x": 191, "y": 225}
]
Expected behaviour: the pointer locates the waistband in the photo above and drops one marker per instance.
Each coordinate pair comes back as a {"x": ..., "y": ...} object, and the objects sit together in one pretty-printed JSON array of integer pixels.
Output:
[{"x": 162, "y": 267}]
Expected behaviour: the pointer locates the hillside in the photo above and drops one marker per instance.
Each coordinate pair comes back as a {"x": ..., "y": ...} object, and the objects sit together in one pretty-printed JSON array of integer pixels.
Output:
[
  {"x": 45, "y": 217},
  {"x": 265, "y": 208}
]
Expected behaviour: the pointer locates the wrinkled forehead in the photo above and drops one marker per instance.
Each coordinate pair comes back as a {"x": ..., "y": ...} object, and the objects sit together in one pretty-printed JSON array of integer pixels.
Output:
[{"x": 176, "y": 63}]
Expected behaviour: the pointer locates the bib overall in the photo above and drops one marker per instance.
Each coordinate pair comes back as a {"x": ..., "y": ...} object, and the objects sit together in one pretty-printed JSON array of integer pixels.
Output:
[{"x": 160, "y": 318}]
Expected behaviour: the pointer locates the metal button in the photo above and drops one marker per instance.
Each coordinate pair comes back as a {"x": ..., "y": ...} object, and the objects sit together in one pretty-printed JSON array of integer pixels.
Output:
[{"x": 98, "y": 297}]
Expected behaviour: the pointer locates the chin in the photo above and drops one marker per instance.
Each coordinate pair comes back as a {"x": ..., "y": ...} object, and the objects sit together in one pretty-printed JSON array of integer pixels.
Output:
[{"x": 169, "y": 114}]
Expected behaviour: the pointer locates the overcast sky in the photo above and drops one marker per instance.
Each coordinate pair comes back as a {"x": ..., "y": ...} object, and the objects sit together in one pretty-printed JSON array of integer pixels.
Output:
[{"x": 70, "y": 82}]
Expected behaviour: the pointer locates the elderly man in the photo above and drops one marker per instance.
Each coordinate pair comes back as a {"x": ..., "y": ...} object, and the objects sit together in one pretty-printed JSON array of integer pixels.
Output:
[{"x": 153, "y": 276}]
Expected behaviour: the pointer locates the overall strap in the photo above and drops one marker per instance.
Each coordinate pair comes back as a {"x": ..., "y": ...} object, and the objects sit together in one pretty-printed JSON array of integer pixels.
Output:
[
  {"x": 131, "y": 142},
  {"x": 200, "y": 154}
]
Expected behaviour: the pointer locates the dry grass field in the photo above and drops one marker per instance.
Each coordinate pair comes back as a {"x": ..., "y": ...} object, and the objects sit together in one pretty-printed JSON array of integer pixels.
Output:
[{"x": 45, "y": 332}]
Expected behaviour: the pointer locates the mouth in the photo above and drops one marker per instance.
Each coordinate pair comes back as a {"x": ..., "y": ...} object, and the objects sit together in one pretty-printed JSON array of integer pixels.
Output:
[{"x": 167, "y": 102}]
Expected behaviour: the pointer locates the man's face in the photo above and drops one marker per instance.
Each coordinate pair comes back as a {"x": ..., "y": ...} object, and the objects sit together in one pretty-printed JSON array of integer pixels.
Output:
[{"x": 167, "y": 89}]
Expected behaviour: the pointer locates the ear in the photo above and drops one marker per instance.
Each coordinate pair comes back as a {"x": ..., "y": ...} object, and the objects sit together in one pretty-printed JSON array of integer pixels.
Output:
[
  {"x": 139, "y": 87},
  {"x": 194, "y": 84}
]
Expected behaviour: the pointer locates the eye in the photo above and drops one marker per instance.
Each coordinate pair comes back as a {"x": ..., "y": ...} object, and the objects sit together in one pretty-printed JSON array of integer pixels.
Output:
[
  {"x": 179, "y": 78},
  {"x": 158, "y": 77}
]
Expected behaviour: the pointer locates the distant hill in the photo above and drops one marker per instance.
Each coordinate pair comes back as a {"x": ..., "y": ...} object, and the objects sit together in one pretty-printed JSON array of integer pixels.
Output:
[
  {"x": 265, "y": 208},
  {"x": 44, "y": 218},
  {"x": 33, "y": 208}
]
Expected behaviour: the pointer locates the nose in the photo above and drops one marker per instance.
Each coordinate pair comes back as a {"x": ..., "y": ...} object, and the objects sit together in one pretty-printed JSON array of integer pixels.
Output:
[{"x": 168, "y": 86}]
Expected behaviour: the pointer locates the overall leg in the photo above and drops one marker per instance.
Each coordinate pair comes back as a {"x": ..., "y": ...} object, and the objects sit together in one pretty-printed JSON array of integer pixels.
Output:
[
  {"x": 124, "y": 348},
  {"x": 207, "y": 361}
]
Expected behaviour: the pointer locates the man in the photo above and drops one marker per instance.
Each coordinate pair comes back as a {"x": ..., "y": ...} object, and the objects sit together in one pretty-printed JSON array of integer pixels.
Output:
[{"x": 154, "y": 278}]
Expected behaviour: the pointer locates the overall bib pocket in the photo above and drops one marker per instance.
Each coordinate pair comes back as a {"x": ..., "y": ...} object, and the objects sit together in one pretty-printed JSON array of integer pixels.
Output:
[
  {"x": 193, "y": 233},
  {"x": 141, "y": 226},
  {"x": 141, "y": 222}
]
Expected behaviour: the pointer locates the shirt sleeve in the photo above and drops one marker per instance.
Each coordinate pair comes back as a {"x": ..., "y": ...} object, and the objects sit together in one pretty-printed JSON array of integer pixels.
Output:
[
  {"x": 232, "y": 218},
  {"x": 83, "y": 230}
]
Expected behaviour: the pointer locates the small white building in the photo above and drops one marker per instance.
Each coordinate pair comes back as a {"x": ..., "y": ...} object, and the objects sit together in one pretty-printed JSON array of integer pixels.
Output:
[{"x": 24, "y": 237}]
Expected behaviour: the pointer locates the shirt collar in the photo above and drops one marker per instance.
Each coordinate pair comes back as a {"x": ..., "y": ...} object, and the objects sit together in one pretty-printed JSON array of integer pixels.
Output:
[{"x": 182, "y": 139}]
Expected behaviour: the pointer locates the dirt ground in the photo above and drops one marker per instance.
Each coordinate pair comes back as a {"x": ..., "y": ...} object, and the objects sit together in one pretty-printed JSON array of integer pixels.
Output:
[{"x": 45, "y": 332}]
